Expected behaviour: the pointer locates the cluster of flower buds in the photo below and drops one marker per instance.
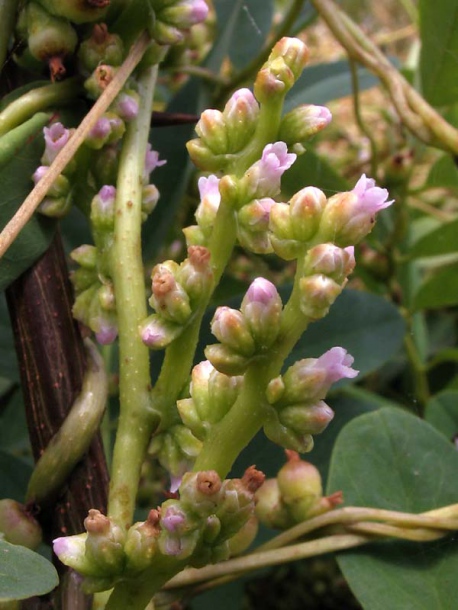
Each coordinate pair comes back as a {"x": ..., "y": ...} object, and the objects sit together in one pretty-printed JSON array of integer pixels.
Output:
[
  {"x": 295, "y": 495},
  {"x": 177, "y": 290},
  {"x": 248, "y": 332},
  {"x": 196, "y": 527},
  {"x": 296, "y": 398},
  {"x": 48, "y": 28},
  {"x": 18, "y": 525},
  {"x": 173, "y": 18},
  {"x": 212, "y": 395}
]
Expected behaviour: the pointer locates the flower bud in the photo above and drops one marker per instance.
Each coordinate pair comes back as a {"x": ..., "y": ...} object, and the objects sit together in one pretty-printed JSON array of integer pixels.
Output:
[
  {"x": 252, "y": 225},
  {"x": 261, "y": 308},
  {"x": 270, "y": 509},
  {"x": 101, "y": 48},
  {"x": 85, "y": 256},
  {"x": 262, "y": 179},
  {"x": 306, "y": 419},
  {"x": 349, "y": 217},
  {"x": 55, "y": 207},
  {"x": 240, "y": 116},
  {"x": 126, "y": 105},
  {"x": 210, "y": 200},
  {"x": 18, "y": 526},
  {"x": 331, "y": 261},
  {"x": 294, "y": 52},
  {"x": 71, "y": 551},
  {"x": 179, "y": 533},
  {"x": 184, "y": 13},
  {"x": 103, "y": 209},
  {"x": 204, "y": 158},
  {"x": 169, "y": 299},
  {"x": 201, "y": 492},
  {"x": 59, "y": 188},
  {"x": 211, "y": 129},
  {"x": 303, "y": 122},
  {"x": 287, "y": 437},
  {"x": 225, "y": 360},
  {"x": 141, "y": 542},
  {"x": 195, "y": 273},
  {"x": 150, "y": 197},
  {"x": 104, "y": 542},
  {"x": 231, "y": 329},
  {"x": 99, "y": 134},
  {"x": 158, "y": 333},
  {"x": 306, "y": 207},
  {"x": 317, "y": 294}
]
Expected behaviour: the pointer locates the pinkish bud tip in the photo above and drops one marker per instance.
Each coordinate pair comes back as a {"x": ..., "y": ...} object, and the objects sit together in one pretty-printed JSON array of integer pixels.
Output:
[
  {"x": 261, "y": 291},
  {"x": 337, "y": 363}
]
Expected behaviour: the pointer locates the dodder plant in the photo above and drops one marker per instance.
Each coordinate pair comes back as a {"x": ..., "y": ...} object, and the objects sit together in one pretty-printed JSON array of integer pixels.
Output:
[{"x": 196, "y": 419}]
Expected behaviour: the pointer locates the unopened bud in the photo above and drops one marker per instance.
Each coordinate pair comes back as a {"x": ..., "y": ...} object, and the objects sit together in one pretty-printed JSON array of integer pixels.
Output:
[
  {"x": 294, "y": 52},
  {"x": 102, "y": 208},
  {"x": 169, "y": 299},
  {"x": 240, "y": 116},
  {"x": 158, "y": 333},
  {"x": 318, "y": 293},
  {"x": 18, "y": 525},
  {"x": 141, "y": 542},
  {"x": 225, "y": 360},
  {"x": 331, "y": 261},
  {"x": 211, "y": 128},
  {"x": 303, "y": 122},
  {"x": 270, "y": 509},
  {"x": 104, "y": 542},
  {"x": 231, "y": 329},
  {"x": 261, "y": 308},
  {"x": 306, "y": 419}
]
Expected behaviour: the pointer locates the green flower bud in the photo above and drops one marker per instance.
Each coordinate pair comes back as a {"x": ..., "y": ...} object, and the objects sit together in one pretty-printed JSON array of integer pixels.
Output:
[
  {"x": 18, "y": 525},
  {"x": 103, "y": 209},
  {"x": 252, "y": 225},
  {"x": 56, "y": 207},
  {"x": 194, "y": 236},
  {"x": 331, "y": 261},
  {"x": 85, "y": 256},
  {"x": 261, "y": 308},
  {"x": 141, "y": 543},
  {"x": 270, "y": 509},
  {"x": 71, "y": 551},
  {"x": 179, "y": 530},
  {"x": 201, "y": 492},
  {"x": 50, "y": 38},
  {"x": 82, "y": 279},
  {"x": 306, "y": 207},
  {"x": 195, "y": 272},
  {"x": 158, "y": 333},
  {"x": 101, "y": 48},
  {"x": 104, "y": 543},
  {"x": 59, "y": 188},
  {"x": 204, "y": 158},
  {"x": 211, "y": 129},
  {"x": 302, "y": 122},
  {"x": 77, "y": 11},
  {"x": 225, "y": 360},
  {"x": 317, "y": 294},
  {"x": 286, "y": 437},
  {"x": 169, "y": 299},
  {"x": 293, "y": 51},
  {"x": 231, "y": 329},
  {"x": 307, "y": 419},
  {"x": 240, "y": 117}
]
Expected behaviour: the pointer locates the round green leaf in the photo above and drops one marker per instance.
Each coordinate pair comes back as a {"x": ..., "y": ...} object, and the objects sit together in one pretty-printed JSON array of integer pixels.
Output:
[
  {"x": 370, "y": 328},
  {"x": 24, "y": 573},
  {"x": 439, "y": 290},
  {"x": 442, "y": 413},
  {"x": 438, "y": 242},
  {"x": 392, "y": 459}
]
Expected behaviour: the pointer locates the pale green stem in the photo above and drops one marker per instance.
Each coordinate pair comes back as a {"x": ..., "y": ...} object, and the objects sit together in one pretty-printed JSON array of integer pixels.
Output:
[
  {"x": 229, "y": 436},
  {"x": 418, "y": 116},
  {"x": 37, "y": 100},
  {"x": 136, "y": 419},
  {"x": 257, "y": 561}
]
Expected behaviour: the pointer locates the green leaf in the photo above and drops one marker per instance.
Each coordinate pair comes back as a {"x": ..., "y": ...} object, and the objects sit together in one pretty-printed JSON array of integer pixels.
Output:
[
  {"x": 322, "y": 83},
  {"x": 442, "y": 413},
  {"x": 311, "y": 168},
  {"x": 439, "y": 50},
  {"x": 443, "y": 240},
  {"x": 392, "y": 459},
  {"x": 444, "y": 173},
  {"x": 35, "y": 237},
  {"x": 439, "y": 290},
  {"x": 14, "y": 476},
  {"x": 369, "y": 327},
  {"x": 252, "y": 23},
  {"x": 24, "y": 573}
]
